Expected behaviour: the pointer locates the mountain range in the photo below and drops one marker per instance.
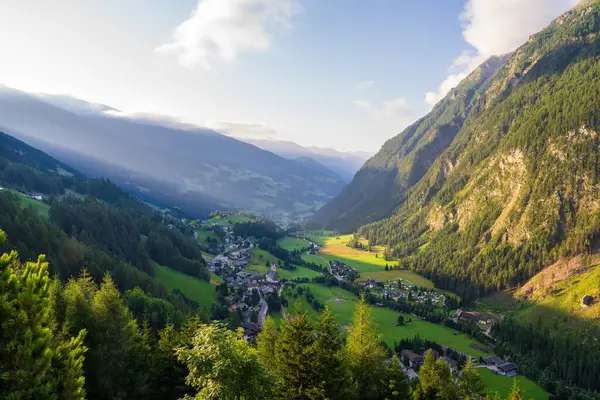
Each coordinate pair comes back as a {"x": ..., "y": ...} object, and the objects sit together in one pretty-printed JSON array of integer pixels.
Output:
[
  {"x": 345, "y": 164},
  {"x": 167, "y": 162},
  {"x": 501, "y": 177}
]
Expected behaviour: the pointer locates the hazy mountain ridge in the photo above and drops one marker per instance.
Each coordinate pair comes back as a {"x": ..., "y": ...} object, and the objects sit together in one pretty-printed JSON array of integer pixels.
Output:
[
  {"x": 186, "y": 166},
  {"x": 345, "y": 164}
]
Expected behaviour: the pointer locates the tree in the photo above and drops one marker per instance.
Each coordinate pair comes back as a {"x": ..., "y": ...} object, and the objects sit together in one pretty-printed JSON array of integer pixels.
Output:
[
  {"x": 470, "y": 386},
  {"x": 400, "y": 320},
  {"x": 515, "y": 393},
  {"x": 328, "y": 362},
  {"x": 222, "y": 365},
  {"x": 265, "y": 344},
  {"x": 364, "y": 353},
  {"x": 427, "y": 376},
  {"x": 294, "y": 357},
  {"x": 116, "y": 365},
  {"x": 36, "y": 361},
  {"x": 394, "y": 384}
]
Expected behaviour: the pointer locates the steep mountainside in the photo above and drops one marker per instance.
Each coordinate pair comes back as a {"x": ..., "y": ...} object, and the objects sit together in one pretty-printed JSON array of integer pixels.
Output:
[
  {"x": 513, "y": 180},
  {"x": 194, "y": 168},
  {"x": 380, "y": 186}
]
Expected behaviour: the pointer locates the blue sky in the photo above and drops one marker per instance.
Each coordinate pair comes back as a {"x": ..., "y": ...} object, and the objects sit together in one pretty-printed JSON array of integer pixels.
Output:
[{"x": 347, "y": 74}]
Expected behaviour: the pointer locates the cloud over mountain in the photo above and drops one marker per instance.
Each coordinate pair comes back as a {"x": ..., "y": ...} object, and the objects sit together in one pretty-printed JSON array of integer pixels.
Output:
[{"x": 496, "y": 27}]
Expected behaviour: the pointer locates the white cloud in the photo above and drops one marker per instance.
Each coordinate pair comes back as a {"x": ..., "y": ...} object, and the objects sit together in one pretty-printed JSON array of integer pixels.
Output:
[
  {"x": 220, "y": 30},
  {"x": 245, "y": 130},
  {"x": 496, "y": 27},
  {"x": 395, "y": 111}
]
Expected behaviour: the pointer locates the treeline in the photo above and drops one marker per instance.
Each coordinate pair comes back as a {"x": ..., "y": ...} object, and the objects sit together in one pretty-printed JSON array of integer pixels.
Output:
[{"x": 564, "y": 363}]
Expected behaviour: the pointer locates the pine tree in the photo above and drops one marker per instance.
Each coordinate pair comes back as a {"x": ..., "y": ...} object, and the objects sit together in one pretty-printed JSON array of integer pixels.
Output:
[
  {"x": 427, "y": 376},
  {"x": 471, "y": 385},
  {"x": 328, "y": 363},
  {"x": 265, "y": 344},
  {"x": 35, "y": 362},
  {"x": 515, "y": 393},
  {"x": 394, "y": 384},
  {"x": 294, "y": 355},
  {"x": 364, "y": 353}
]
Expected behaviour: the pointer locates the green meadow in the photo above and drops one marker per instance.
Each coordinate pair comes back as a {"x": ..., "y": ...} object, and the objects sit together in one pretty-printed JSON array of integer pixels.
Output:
[
  {"x": 42, "y": 209},
  {"x": 342, "y": 304},
  {"x": 291, "y": 243},
  {"x": 196, "y": 289},
  {"x": 502, "y": 385}
]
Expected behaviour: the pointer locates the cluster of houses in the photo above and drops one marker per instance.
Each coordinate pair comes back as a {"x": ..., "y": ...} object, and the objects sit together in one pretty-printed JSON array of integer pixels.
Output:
[
  {"x": 342, "y": 271},
  {"x": 499, "y": 366},
  {"x": 413, "y": 360},
  {"x": 404, "y": 290},
  {"x": 472, "y": 316}
]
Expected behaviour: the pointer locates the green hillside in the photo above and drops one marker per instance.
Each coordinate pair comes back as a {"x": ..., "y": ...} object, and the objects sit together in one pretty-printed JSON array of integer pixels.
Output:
[
  {"x": 502, "y": 176},
  {"x": 194, "y": 288}
]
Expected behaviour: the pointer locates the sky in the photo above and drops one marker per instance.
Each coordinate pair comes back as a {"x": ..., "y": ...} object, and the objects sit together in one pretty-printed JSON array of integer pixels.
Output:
[{"x": 345, "y": 74}]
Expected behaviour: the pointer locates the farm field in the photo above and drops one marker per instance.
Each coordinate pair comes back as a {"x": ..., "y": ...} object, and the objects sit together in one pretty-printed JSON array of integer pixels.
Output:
[
  {"x": 342, "y": 304},
  {"x": 291, "y": 243},
  {"x": 196, "y": 289},
  {"x": 316, "y": 259},
  {"x": 299, "y": 272},
  {"x": 503, "y": 384},
  {"x": 335, "y": 248}
]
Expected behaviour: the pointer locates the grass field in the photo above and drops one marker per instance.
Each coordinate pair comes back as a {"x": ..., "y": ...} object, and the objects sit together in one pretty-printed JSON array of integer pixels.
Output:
[
  {"x": 342, "y": 304},
  {"x": 42, "y": 209},
  {"x": 334, "y": 248},
  {"x": 299, "y": 272},
  {"x": 203, "y": 235},
  {"x": 196, "y": 289},
  {"x": 290, "y": 243},
  {"x": 316, "y": 259},
  {"x": 503, "y": 384}
]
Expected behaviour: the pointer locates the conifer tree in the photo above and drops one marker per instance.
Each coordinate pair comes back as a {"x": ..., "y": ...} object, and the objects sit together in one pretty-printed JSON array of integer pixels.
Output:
[
  {"x": 471, "y": 385},
  {"x": 515, "y": 393},
  {"x": 328, "y": 363},
  {"x": 265, "y": 344},
  {"x": 294, "y": 358},
  {"x": 364, "y": 353},
  {"x": 35, "y": 362}
]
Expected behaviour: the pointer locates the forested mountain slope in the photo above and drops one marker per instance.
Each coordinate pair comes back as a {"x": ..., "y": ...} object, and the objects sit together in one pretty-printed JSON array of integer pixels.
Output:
[
  {"x": 380, "y": 186},
  {"x": 518, "y": 183},
  {"x": 91, "y": 224}
]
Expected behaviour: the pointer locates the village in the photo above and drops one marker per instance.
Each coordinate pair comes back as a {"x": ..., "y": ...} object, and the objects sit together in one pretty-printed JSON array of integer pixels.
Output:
[
  {"x": 252, "y": 294},
  {"x": 402, "y": 289}
]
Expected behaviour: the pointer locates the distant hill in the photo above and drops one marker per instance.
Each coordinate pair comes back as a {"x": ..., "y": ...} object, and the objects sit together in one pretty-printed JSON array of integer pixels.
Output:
[
  {"x": 345, "y": 164},
  {"x": 193, "y": 168}
]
